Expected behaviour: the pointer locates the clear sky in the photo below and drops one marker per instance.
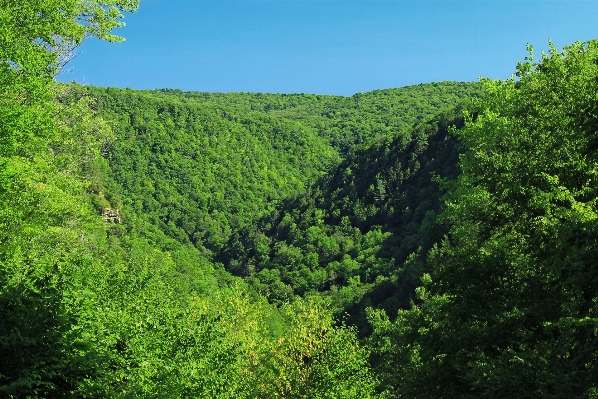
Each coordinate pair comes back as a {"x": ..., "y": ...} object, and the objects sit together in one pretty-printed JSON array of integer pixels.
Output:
[{"x": 325, "y": 47}]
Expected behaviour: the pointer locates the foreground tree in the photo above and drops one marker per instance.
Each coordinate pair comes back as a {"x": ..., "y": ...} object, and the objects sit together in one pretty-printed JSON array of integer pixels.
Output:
[
  {"x": 511, "y": 307},
  {"x": 91, "y": 309},
  {"x": 46, "y": 231}
]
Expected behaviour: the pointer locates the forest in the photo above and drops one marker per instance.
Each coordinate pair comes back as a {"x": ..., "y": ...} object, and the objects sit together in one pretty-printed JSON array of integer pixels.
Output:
[{"x": 430, "y": 241}]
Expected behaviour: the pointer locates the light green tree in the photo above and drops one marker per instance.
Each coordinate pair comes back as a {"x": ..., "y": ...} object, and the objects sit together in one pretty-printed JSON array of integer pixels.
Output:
[{"x": 47, "y": 232}]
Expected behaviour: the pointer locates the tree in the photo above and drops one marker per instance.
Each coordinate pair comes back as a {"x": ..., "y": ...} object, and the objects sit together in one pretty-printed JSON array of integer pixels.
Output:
[
  {"x": 46, "y": 227},
  {"x": 510, "y": 307}
]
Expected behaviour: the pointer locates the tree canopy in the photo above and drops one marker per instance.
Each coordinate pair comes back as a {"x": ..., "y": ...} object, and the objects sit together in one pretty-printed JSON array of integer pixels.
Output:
[
  {"x": 432, "y": 241},
  {"x": 509, "y": 308}
]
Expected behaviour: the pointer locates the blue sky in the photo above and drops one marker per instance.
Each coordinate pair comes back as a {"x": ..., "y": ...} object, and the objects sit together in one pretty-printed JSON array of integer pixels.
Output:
[{"x": 325, "y": 47}]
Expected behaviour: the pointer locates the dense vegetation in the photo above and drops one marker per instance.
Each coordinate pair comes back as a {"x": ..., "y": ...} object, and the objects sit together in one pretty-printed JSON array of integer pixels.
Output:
[
  {"x": 360, "y": 234},
  {"x": 95, "y": 308},
  {"x": 425, "y": 242},
  {"x": 202, "y": 166},
  {"x": 510, "y": 305},
  {"x": 346, "y": 121},
  {"x": 207, "y": 170}
]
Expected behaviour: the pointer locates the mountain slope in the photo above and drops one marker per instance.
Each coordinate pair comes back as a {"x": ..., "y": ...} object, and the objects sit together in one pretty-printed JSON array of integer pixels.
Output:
[
  {"x": 347, "y": 121},
  {"x": 198, "y": 174},
  {"x": 199, "y": 167},
  {"x": 360, "y": 234}
]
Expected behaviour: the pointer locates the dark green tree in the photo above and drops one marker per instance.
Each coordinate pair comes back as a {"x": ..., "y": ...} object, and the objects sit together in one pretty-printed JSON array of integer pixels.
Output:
[{"x": 510, "y": 306}]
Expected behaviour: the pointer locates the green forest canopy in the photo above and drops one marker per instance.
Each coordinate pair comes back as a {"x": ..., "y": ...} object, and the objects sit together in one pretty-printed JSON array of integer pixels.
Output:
[{"x": 424, "y": 242}]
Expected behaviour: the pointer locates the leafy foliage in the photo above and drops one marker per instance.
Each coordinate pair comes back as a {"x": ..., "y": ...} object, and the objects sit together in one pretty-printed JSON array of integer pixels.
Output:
[
  {"x": 46, "y": 229},
  {"x": 123, "y": 212},
  {"x": 360, "y": 234},
  {"x": 510, "y": 307},
  {"x": 346, "y": 121},
  {"x": 197, "y": 174},
  {"x": 90, "y": 306}
]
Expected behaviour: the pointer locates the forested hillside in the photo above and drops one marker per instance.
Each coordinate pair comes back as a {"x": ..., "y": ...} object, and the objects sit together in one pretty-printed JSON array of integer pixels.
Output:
[
  {"x": 200, "y": 167},
  {"x": 510, "y": 306},
  {"x": 96, "y": 302},
  {"x": 346, "y": 121},
  {"x": 196, "y": 172},
  {"x": 431, "y": 241},
  {"x": 360, "y": 234}
]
